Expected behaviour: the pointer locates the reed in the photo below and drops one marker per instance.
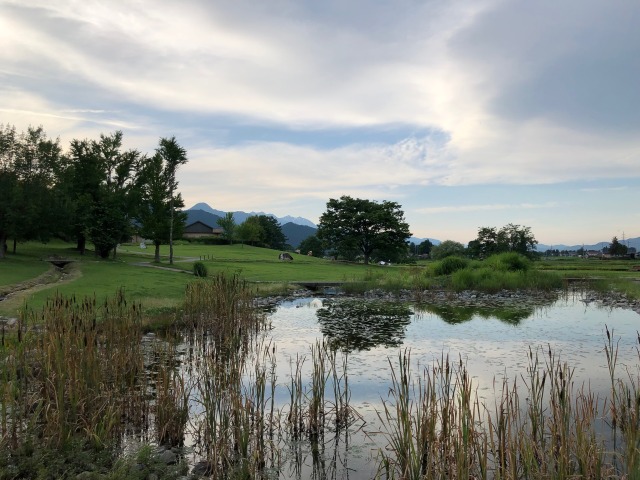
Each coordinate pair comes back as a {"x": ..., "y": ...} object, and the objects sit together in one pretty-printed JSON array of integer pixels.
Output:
[
  {"x": 73, "y": 376},
  {"x": 436, "y": 427},
  {"x": 171, "y": 408}
]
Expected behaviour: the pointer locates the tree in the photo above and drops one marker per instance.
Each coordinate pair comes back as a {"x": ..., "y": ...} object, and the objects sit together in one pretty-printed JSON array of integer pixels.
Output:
[
  {"x": 616, "y": 248},
  {"x": 312, "y": 244},
  {"x": 29, "y": 176},
  {"x": 448, "y": 248},
  {"x": 82, "y": 180},
  {"x": 228, "y": 225},
  {"x": 424, "y": 248},
  {"x": 271, "y": 235},
  {"x": 112, "y": 206},
  {"x": 249, "y": 231},
  {"x": 8, "y": 183},
  {"x": 510, "y": 238},
  {"x": 173, "y": 155},
  {"x": 155, "y": 201},
  {"x": 354, "y": 224}
]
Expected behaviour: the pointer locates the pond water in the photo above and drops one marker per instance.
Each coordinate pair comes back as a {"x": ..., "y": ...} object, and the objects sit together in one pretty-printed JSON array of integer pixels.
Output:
[
  {"x": 369, "y": 336},
  {"x": 493, "y": 343}
]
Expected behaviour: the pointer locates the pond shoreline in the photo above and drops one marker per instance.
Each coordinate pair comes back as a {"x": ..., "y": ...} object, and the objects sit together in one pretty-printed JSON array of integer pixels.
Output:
[{"x": 468, "y": 298}]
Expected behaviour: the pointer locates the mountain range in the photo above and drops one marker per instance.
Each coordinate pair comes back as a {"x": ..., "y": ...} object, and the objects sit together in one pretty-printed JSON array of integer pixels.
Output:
[
  {"x": 629, "y": 242},
  {"x": 294, "y": 232},
  {"x": 296, "y": 229},
  {"x": 240, "y": 217}
]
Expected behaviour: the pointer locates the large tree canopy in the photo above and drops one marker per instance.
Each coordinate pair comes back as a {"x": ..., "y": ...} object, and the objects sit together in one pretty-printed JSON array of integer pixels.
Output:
[
  {"x": 510, "y": 238},
  {"x": 364, "y": 226}
]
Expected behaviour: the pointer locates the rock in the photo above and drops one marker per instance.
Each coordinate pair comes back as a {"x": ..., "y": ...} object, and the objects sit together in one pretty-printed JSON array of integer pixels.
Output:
[
  {"x": 168, "y": 457},
  {"x": 89, "y": 476},
  {"x": 202, "y": 469}
]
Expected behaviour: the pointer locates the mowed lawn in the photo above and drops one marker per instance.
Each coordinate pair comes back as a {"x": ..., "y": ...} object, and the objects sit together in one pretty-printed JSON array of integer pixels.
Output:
[{"x": 156, "y": 285}]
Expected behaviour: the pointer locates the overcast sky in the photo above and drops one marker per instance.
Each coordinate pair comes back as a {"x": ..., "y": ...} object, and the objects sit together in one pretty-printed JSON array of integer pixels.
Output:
[{"x": 468, "y": 113}]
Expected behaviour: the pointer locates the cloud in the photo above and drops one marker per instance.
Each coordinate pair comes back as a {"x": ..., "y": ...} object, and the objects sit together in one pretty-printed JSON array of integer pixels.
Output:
[
  {"x": 485, "y": 208},
  {"x": 289, "y": 103}
]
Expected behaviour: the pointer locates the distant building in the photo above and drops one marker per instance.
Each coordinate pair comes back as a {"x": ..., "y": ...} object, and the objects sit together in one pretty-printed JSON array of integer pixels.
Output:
[{"x": 201, "y": 230}]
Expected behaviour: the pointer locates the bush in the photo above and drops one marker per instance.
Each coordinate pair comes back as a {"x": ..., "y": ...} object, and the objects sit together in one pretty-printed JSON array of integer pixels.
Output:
[
  {"x": 509, "y": 261},
  {"x": 449, "y": 265},
  {"x": 200, "y": 269},
  {"x": 492, "y": 280}
]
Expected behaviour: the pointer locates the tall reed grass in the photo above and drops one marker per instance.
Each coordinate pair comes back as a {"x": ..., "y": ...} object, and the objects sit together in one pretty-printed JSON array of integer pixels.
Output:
[
  {"x": 542, "y": 427},
  {"x": 76, "y": 373}
]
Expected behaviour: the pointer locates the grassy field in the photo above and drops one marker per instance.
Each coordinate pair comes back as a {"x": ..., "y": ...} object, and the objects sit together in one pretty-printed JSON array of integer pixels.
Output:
[{"x": 159, "y": 287}]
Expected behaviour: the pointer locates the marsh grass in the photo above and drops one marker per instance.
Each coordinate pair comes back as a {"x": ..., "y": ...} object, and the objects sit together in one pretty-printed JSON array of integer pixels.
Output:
[
  {"x": 73, "y": 382},
  {"x": 543, "y": 427}
]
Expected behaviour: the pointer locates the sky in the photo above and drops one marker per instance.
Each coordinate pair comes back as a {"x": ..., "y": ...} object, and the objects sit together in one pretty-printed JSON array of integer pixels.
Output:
[{"x": 468, "y": 113}]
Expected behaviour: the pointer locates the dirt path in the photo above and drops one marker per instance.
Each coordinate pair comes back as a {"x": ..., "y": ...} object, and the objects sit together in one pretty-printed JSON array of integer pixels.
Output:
[{"x": 13, "y": 295}]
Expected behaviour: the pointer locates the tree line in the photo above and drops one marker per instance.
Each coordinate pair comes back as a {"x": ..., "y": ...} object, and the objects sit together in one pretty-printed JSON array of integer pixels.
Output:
[{"x": 96, "y": 191}]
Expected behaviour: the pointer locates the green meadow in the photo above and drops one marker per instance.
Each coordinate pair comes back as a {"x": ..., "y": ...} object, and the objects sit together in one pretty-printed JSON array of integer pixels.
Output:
[{"x": 28, "y": 279}]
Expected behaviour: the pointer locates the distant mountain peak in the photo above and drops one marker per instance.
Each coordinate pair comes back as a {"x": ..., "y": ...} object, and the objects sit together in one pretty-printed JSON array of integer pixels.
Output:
[{"x": 242, "y": 216}]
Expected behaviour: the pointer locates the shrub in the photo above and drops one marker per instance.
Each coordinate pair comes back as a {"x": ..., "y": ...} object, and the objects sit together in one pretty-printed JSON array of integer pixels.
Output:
[
  {"x": 449, "y": 265},
  {"x": 200, "y": 269},
  {"x": 510, "y": 262}
]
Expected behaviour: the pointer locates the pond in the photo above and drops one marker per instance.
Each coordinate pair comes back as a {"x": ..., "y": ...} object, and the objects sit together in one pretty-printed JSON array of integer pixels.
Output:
[{"x": 493, "y": 345}]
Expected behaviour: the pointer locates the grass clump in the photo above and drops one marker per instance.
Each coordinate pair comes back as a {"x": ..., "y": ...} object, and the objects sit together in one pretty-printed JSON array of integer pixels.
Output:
[
  {"x": 492, "y": 281},
  {"x": 449, "y": 265},
  {"x": 200, "y": 269},
  {"x": 509, "y": 261}
]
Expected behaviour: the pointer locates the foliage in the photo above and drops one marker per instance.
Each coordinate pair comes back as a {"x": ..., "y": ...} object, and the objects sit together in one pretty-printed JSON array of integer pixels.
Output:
[
  {"x": 249, "y": 231},
  {"x": 510, "y": 238},
  {"x": 424, "y": 248},
  {"x": 262, "y": 230},
  {"x": 112, "y": 208},
  {"x": 173, "y": 155},
  {"x": 447, "y": 248},
  {"x": 200, "y": 269},
  {"x": 448, "y": 265},
  {"x": 271, "y": 235},
  {"x": 312, "y": 244},
  {"x": 363, "y": 226},
  {"x": 228, "y": 225},
  {"x": 616, "y": 248},
  {"x": 30, "y": 166},
  {"x": 510, "y": 261},
  {"x": 157, "y": 215},
  {"x": 487, "y": 279}
]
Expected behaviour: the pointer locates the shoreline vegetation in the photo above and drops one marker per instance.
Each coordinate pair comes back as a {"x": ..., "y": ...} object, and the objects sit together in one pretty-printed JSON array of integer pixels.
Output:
[{"x": 76, "y": 379}]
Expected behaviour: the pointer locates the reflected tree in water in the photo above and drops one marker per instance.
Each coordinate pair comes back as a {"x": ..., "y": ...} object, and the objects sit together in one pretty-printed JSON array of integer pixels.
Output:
[
  {"x": 455, "y": 315},
  {"x": 356, "y": 325}
]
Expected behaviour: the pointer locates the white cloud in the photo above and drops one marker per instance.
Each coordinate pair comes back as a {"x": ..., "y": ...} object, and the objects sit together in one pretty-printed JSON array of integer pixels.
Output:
[
  {"x": 486, "y": 208},
  {"x": 525, "y": 93}
]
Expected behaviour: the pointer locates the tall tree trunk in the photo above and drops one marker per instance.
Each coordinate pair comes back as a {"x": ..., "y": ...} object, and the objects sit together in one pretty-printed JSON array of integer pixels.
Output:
[
  {"x": 171, "y": 233},
  {"x": 156, "y": 258},
  {"x": 81, "y": 244},
  {"x": 14, "y": 246},
  {"x": 3, "y": 245}
]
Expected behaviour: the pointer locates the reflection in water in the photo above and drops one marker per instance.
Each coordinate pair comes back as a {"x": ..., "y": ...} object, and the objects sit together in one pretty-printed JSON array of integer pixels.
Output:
[
  {"x": 353, "y": 325},
  {"x": 453, "y": 314}
]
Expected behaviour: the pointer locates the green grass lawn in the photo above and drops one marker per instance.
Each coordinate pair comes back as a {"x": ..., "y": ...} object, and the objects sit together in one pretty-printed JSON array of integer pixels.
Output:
[
  {"x": 579, "y": 267},
  {"x": 159, "y": 289}
]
